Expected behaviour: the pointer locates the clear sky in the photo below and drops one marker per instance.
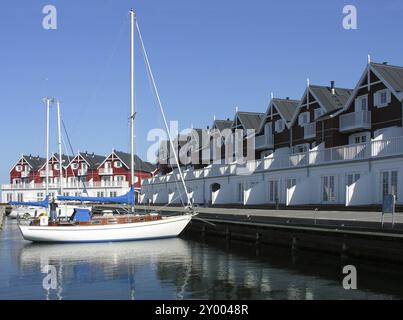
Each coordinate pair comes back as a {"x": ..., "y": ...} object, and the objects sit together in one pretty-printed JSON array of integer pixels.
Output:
[{"x": 209, "y": 56}]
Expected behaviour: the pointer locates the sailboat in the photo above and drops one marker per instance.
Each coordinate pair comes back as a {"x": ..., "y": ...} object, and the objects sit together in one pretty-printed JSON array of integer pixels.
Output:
[
  {"x": 83, "y": 226},
  {"x": 34, "y": 209}
]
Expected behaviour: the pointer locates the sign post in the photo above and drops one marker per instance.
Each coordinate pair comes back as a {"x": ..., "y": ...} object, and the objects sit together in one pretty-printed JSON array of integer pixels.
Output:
[{"x": 389, "y": 204}]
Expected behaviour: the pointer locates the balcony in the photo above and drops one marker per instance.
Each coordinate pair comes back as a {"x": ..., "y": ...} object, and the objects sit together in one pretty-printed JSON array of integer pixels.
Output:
[
  {"x": 82, "y": 172},
  {"x": 106, "y": 171},
  {"x": 310, "y": 131},
  {"x": 355, "y": 121},
  {"x": 42, "y": 173},
  {"x": 264, "y": 142}
]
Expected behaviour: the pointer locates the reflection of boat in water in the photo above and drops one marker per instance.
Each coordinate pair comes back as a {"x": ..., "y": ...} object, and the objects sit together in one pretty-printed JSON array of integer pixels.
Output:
[
  {"x": 114, "y": 252},
  {"x": 119, "y": 270}
]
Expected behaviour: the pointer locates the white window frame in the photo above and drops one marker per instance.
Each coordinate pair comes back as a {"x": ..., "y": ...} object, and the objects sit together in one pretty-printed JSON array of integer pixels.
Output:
[
  {"x": 240, "y": 192},
  {"x": 118, "y": 164},
  {"x": 353, "y": 138},
  {"x": 328, "y": 190},
  {"x": 358, "y": 103},
  {"x": 18, "y": 168},
  {"x": 273, "y": 191},
  {"x": 352, "y": 177},
  {"x": 279, "y": 125},
  {"x": 318, "y": 112},
  {"x": 391, "y": 188},
  {"x": 377, "y": 98},
  {"x": 74, "y": 166},
  {"x": 302, "y": 116}
]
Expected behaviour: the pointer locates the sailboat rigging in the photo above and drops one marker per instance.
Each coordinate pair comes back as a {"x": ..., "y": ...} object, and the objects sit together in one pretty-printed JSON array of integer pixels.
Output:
[{"x": 84, "y": 226}]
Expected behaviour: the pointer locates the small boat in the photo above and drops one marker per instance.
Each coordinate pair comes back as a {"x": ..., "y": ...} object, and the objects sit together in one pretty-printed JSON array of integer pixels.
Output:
[{"x": 84, "y": 226}]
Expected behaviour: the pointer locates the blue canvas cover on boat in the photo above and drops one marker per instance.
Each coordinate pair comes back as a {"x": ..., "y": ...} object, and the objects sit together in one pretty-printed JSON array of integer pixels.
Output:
[
  {"x": 42, "y": 204},
  {"x": 128, "y": 198},
  {"x": 82, "y": 215}
]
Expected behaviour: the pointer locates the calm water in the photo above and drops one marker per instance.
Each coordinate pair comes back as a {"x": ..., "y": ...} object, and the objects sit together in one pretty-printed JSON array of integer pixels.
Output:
[{"x": 182, "y": 269}]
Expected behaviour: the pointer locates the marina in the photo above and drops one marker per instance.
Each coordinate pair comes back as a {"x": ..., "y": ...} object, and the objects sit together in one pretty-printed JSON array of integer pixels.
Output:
[
  {"x": 266, "y": 178},
  {"x": 184, "y": 268}
]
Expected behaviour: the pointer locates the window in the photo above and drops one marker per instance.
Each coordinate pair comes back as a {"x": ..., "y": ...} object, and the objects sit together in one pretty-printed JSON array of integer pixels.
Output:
[
  {"x": 84, "y": 166},
  {"x": 18, "y": 168},
  {"x": 100, "y": 194},
  {"x": 74, "y": 166},
  {"x": 39, "y": 196},
  {"x": 118, "y": 164},
  {"x": 300, "y": 148},
  {"x": 291, "y": 182},
  {"x": 9, "y": 197},
  {"x": 56, "y": 167},
  {"x": 240, "y": 192},
  {"x": 362, "y": 137},
  {"x": 77, "y": 194},
  {"x": 113, "y": 194},
  {"x": 328, "y": 189},
  {"x": 108, "y": 165},
  {"x": 273, "y": 191},
  {"x": 279, "y": 125},
  {"x": 382, "y": 98},
  {"x": 303, "y": 119},
  {"x": 352, "y": 178},
  {"x": 389, "y": 181},
  {"x": 120, "y": 178},
  {"x": 66, "y": 194},
  {"x": 318, "y": 112},
  {"x": 361, "y": 103},
  {"x": 20, "y": 197}
]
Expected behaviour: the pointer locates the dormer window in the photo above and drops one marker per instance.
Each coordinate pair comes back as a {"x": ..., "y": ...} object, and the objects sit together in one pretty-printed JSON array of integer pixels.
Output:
[
  {"x": 361, "y": 103},
  {"x": 279, "y": 125},
  {"x": 118, "y": 164},
  {"x": 303, "y": 119},
  {"x": 318, "y": 113},
  {"x": 382, "y": 98}
]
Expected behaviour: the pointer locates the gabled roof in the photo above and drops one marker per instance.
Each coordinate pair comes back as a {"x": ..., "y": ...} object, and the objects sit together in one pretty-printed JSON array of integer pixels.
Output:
[
  {"x": 249, "y": 120},
  {"x": 285, "y": 107},
  {"x": 139, "y": 165},
  {"x": 35, "y": 162},
  {"x": 65, "y": 159},
  {"x": 393, "y": 75},
  {"x": 93, "y": 160},
  {"x": 221, "y": 125},
  {"x": 328, "y": 101}
]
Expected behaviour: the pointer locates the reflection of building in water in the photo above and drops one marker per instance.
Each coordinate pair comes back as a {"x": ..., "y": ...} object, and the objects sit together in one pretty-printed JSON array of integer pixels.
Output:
[
  {"x": 179, "y": 269},
  {"x": 216, "y": 274}
]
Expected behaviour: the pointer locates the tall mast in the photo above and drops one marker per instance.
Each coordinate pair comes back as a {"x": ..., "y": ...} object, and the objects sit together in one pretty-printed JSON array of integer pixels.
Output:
[
  {"x": 132, "y": 113},
  {"x": 47, "y": 101},
  {"x": 59, "y": 142}
]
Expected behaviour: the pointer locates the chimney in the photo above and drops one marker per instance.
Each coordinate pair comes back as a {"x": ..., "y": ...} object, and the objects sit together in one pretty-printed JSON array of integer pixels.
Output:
[{"x": 332, "y": 88}]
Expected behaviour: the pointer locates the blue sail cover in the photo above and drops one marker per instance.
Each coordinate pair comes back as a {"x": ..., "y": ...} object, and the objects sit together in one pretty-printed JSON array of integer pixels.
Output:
[
  {"x": 128, "y": 198},
  {"x": 42, "y": 204}
]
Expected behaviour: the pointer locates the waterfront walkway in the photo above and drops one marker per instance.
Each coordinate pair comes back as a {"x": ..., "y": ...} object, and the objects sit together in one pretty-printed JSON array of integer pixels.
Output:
[{"x": 339, "y": 219}]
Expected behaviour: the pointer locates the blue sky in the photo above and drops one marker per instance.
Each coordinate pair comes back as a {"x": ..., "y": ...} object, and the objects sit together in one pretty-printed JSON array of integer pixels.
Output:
[{"x": 208, "y": 56}]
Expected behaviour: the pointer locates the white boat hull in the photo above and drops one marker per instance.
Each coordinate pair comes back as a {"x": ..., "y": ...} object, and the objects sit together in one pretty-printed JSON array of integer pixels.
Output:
[{"x": 166, "y": 228}]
